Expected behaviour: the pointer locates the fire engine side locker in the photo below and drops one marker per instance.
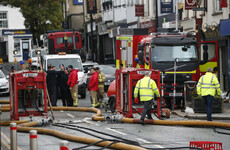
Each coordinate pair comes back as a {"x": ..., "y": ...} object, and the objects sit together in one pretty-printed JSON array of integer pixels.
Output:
[{"x": 29, "y": 87}]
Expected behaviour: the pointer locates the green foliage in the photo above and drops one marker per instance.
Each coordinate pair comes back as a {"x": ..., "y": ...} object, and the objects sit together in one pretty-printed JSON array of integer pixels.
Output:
[{"x": 40, "y": 15}]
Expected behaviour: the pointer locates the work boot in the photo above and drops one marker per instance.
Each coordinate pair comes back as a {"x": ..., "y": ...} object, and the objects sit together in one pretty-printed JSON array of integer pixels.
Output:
[
  {"x": 75, "y": 104},
  {"x": 142, "y": 122}
]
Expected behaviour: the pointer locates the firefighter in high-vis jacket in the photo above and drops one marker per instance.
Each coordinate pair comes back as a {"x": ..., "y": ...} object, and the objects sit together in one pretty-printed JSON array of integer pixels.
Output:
[
  {"x": 207, "y": 86},
  {"x": 147, "y": 88},
  {"x": 101, "y": 86}
]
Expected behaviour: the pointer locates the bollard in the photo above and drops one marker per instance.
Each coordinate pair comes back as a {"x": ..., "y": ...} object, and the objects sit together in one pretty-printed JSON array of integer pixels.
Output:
[
  {"x": 13, "y": 136},
  {"x": 64, "y": 145},
  {"x": 33, "y": 140}
]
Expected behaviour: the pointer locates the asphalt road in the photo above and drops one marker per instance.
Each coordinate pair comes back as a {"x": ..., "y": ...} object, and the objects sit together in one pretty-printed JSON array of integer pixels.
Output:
[{"x": 148, "y": 136}]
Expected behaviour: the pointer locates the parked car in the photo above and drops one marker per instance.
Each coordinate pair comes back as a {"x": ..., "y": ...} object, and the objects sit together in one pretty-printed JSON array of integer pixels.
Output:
[
  {"x": 4, "y": 84},
  {"x": 109, "y": 72}
]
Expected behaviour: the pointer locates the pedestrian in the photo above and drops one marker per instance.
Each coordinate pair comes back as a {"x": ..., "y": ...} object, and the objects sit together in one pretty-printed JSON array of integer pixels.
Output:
[
  {"x": 73, "y": 83},
  {"x": 93, "y": 87},
  {"x": 207, "y": 86},
  {"x": 67, "y": 98},
  {"x": 101, "y": 85},
  {"x": 147, "y": 88},
  {"x": 51, "y": 81},
  {"x": 12, "y": 69},
  {"x": 61, "y": 84}
]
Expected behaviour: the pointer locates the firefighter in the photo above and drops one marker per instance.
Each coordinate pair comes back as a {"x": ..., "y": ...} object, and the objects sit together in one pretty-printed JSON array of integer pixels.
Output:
[
  {"x": 147, "y": 88},
  {"x": 51, "y": 80},
  {"x": 93, "y": 87},
  {"x": 67, "y": 98},
  {"x": 73, "y": 83},
  {"x": 206, "y": 87},
  {"x": 101, "y": 87}
]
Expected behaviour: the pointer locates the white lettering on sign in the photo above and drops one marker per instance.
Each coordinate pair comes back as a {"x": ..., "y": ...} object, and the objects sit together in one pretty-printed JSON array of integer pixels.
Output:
[
  {"x": 143, "y": 72},
  {"x": 30, "y": 74}
]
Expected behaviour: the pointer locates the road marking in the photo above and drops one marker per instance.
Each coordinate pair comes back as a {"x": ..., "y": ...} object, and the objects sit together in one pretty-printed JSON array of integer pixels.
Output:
[
  {"x": 70, "y": 115},
  {"x": 159, "y": 146},
  {"x": 143, "y": 140},
  {"x": 5, "y": 144},
  {"x": 8, "y": 140},
  {"x": 90, "y": 122},
  {"x": 61, "y": 111},
  {"x": 116, "y": 131}
]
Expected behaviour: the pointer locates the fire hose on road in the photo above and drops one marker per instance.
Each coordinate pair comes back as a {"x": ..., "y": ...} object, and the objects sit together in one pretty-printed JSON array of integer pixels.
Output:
[{"x": 26, "y": 126}]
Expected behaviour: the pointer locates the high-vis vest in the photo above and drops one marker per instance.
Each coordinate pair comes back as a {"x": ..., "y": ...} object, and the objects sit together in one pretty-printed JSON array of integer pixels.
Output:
[
  {"x": 101, "y": 80},
  {"x": 208, "y": 84},
  {"x": 146, "y": 88}
]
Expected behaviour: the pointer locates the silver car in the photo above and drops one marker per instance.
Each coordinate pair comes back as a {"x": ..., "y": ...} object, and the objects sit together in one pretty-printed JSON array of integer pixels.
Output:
[{"x": 4, "y": 84}]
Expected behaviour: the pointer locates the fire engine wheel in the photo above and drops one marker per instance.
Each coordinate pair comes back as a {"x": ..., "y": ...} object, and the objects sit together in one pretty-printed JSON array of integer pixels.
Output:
[{"x": 112, "y": 104}]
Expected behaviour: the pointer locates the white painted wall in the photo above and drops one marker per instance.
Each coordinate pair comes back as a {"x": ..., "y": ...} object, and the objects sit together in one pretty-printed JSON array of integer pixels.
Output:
[{"x": 15, "y": 18}]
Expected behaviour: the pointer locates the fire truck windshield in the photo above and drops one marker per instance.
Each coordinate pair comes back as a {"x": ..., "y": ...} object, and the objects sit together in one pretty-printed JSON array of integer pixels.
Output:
[
  {"x": 75, "y": 62},
  {"x": 161, "y": 54}
]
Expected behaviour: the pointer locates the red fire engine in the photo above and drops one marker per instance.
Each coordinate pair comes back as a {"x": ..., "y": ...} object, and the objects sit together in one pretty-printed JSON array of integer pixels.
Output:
[
  {"x": 64, "y": 41},
  {"x": 178, "y": 56},
  {"x": 27, "y": 94}
]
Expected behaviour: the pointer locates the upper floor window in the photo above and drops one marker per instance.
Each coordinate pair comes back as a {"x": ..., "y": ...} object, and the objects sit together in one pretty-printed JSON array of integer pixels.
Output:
[
  {"x": 217, "y": 5},
  {"x": 3, "y": 20}
]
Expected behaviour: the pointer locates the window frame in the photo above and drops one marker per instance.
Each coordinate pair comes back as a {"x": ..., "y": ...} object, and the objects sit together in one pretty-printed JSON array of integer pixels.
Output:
[{"x": 4, "y": 20}]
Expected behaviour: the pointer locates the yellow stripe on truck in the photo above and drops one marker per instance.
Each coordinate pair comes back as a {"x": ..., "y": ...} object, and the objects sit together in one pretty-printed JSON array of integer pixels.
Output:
[
  {"x": 117, "y": 64},
  {"x": 204, "y": 67},
  {"x": 124, "y": 38},
  {"x": 194, "y": 71}
]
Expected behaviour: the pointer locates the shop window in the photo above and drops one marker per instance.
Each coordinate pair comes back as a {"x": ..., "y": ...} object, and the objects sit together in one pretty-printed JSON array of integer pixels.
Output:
[
  {"x": 3, "y": 20},
  {"x": 217, "y": 6},
  {"x": 17, "y": 46}
]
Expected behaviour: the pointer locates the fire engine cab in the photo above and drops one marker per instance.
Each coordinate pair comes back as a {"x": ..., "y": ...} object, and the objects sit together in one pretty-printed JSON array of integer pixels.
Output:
[
  {"x": 27, "y": 94},
  {"x": 178, "y": 57}
]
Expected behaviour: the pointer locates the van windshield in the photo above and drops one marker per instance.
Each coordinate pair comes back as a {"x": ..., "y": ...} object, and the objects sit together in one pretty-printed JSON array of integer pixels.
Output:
[{"x": 75, "y": 62}]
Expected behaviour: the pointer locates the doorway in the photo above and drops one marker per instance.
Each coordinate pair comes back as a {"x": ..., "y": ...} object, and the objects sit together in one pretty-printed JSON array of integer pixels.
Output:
[{"x": 25, "y": 50}]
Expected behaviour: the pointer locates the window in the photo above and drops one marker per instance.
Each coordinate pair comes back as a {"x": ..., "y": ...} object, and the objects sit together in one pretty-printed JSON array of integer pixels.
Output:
[
  {"x": 3, "y": 20},
  {"x": 217, "y": 5},
  {"x": 17, "y": 45},
  {"x": 207, "y": 52}
]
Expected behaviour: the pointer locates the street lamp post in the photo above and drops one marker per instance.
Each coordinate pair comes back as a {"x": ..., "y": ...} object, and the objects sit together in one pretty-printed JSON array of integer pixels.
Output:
[{"x": 15, "y": 52}]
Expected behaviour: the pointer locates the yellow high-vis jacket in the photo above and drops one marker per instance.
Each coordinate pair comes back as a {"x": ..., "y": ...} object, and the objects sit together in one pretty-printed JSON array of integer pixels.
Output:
[
  {"x": 147, "y": 88},
  {"x": 208, "y": 84},
  {"x": 101, "y": 80}
]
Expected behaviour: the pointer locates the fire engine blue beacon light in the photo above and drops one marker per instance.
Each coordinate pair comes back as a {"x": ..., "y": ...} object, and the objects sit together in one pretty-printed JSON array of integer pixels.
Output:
[
  {"x": 137, "y": 59},
  {"x": 21, "y": 62}
]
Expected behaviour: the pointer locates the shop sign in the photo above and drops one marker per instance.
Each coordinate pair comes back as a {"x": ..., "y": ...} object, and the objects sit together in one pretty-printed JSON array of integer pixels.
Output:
[
  {"x": 190, "y": 4},
  {"x": 139, "y": 10},
  {"x": 15, "y": 32},
  {"x": 78, "y": 2},
  {"x": 166, "y": 6},
  {"x": 91, "y": 6}
]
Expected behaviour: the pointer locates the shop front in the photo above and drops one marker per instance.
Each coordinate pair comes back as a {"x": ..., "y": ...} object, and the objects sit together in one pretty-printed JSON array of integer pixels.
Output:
[
  {"x": 19, "y": 41},
  {"x": 225, "y": 32}
]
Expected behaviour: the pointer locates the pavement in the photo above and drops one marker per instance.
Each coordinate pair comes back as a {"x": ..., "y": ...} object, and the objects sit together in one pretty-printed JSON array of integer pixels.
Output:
[{"x": 224, "y": 115}]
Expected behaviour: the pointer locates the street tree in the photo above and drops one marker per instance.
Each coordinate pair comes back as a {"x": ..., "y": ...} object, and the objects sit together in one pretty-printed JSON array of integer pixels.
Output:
[{"x": 40, "y": 15}]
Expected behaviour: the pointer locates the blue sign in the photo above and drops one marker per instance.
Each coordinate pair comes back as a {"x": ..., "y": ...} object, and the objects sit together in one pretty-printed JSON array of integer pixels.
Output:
[
  {"x": 78, "y": 2},
  {"x": 166, "y": 6},
  {"x": 15, "y": 32}
]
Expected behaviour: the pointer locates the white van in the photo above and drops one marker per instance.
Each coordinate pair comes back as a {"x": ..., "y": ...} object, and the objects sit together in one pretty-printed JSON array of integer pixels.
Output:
[{"x": 66, "y": 60}]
